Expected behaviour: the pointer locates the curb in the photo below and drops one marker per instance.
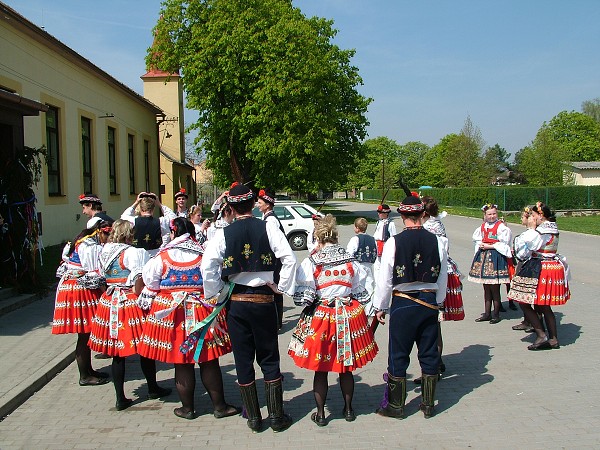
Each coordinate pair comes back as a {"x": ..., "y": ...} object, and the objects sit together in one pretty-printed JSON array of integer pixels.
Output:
[{"x": 35, "y": 382}]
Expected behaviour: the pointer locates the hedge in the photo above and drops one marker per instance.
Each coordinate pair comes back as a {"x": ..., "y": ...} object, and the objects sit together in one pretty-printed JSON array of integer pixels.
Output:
[{"x": 508, "y": 198}]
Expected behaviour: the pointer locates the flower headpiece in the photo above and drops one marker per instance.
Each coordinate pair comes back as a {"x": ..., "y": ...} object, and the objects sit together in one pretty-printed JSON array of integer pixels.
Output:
[
  {"x": 487, "y": 206},
  {"x": 539, "y": 208}
]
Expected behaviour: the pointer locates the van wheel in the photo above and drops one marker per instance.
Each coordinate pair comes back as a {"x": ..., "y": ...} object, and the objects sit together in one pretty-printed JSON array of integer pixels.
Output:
[{"x": 297, "y": 241}]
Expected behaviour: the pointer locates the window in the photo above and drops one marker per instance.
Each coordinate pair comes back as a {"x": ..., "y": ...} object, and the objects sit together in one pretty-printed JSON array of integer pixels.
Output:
[
  {"x": 53, "y": 148},
  {"x": 86, "y": 148},
  {"x": 131, "y": 151},
  {"x": 112, "y": 163},
  {"x": 147, "y": 165}
]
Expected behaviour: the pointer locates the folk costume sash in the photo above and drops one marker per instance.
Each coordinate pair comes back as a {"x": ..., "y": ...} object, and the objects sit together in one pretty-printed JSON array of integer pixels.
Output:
[{"x": 198, "y": 332}]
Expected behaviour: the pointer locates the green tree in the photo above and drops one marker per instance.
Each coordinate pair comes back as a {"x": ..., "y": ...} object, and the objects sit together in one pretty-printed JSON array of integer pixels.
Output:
[
  {"x": 277, "y": 101},
  {"x": 592, "y": 108},
  {"x": 379, "y": 166},
  {"x": 576, "y": 133},
  {"x": 542, "y": 162}
]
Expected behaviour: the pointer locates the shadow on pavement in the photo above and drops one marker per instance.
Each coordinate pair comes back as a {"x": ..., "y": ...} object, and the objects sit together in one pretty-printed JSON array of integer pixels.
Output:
[{"x": 468, "y": 370}]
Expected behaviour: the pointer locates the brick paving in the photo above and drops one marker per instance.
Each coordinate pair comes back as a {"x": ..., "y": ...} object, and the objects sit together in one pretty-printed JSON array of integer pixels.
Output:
[{"x": 495, "y": 393}]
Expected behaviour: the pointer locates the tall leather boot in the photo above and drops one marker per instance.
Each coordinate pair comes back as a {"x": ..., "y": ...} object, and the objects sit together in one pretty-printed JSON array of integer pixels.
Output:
[
  {"x": 396, "y": 390},
  {"x": 274, "y": 392},
  {"x": 428, "y": 395},
  {"x": 250, "y": 401}
]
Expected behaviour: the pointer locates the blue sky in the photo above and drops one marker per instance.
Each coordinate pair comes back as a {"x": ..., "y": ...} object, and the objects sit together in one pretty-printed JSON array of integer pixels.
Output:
[{"x": 509, "y": 65}]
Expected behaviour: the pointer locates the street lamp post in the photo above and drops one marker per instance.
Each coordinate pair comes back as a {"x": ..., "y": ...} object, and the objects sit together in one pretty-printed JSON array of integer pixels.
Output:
[{"x": 382, "y": 174}]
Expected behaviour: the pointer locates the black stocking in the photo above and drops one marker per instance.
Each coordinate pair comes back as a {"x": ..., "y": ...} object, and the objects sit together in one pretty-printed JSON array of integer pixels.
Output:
[
  {"x": 185, "y": 382},
  {"x": 532, "y": 317},
  {"x": 494, "y": 294},
  {"x": 550, "y": 320},
  {"x": 118, "y": 375},
  {"x": 83, "y": 356},
  {"x": 347, "y": 386},
  {"x": 487, "y": 298},
  {"x": 212, "y": 379},
  {"x": 149, "y": 370},
  {"x": 320, "y": 387}
]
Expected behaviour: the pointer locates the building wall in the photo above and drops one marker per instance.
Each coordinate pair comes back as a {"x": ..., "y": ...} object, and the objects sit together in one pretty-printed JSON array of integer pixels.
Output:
[
  {"x": 44, "y": 72},
  {"x": 587, "y": 177}
]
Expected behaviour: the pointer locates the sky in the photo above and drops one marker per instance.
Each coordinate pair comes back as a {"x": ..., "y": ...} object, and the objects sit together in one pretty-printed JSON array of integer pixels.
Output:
[{"x": 509, "y": 65}]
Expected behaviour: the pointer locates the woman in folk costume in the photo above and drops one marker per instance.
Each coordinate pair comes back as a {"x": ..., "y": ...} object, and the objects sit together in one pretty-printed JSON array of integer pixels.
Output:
[
  {"x": 542, "y": 280},
  {"x": 332, "y": 334},
  {"x": 118, "y": 323},
  {"x": 77, "y": 295},
  {"x": 490, "y": 265},
  {"x": 175, "y": 296},
  {"x": 453, "y": 309}
]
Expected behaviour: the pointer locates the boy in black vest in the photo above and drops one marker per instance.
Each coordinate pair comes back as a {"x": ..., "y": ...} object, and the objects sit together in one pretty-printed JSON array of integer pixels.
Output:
[
  {"x": 245, "y": 253},
  {"x": 414, "y": 270}
]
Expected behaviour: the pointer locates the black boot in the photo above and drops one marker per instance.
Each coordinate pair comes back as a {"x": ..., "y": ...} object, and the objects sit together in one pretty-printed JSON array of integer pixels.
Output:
[
  {"x": 274, "y": 392},
  {"x": 396, "y": 390},
  {"x": 250, "y": 401},
  {"x": 428, "y": 394}
]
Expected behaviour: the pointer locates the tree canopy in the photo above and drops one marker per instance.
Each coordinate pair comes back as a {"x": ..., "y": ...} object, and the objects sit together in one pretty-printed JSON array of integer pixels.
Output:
[
  {"x": 577, "y": 134},
  {"x": 278, "y": 102}
]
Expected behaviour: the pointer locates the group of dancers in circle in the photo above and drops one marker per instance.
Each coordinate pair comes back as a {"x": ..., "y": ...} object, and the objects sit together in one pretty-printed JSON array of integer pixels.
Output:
[{"x": 181, "y": 290}]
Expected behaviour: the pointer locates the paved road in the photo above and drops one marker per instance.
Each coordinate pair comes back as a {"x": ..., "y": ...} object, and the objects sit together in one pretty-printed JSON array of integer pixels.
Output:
[{"x": 496, "y": 393}]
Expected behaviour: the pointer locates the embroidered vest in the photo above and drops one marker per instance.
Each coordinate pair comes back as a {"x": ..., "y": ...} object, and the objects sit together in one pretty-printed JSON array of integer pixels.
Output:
[
  {"x": 74, "y": 257},
  {"x": 146, "y": 233},
  {"x": 117, "y": 273},
  {"x": 417, "y": 257},
  {"x": 181, "y": 275},
  {"x": 247, "y": 248},
  {"x": 490, "y": 235},
  {"x": 367, "y": 249},
  {"x": 333, "y": 266},
  {"x": 550, "y": 247}
]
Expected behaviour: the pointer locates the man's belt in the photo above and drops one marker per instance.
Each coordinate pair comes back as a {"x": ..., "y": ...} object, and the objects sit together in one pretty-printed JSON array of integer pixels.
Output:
[
  {"x": 252, "y": 298},
  {"x": 416, "y": 300}
]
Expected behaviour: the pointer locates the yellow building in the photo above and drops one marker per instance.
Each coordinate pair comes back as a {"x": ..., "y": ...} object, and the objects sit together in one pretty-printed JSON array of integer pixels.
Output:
[
  {"x": 101, "y": 136},
  {"x": 166, "y": 91}
]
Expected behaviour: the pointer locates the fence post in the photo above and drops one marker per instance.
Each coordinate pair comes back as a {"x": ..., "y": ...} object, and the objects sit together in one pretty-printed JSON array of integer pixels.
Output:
[{"x": 546, "y": 202}]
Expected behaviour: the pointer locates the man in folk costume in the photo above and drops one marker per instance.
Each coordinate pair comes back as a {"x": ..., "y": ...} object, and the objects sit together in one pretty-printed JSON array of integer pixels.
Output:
[
  {"x": 181, "y": 199},
  {"x": 92, "y": 208},
  {"x": 266, "y": 202},
  {"x": 414, "y": 270},
  {"x": 245, "y": 253}
]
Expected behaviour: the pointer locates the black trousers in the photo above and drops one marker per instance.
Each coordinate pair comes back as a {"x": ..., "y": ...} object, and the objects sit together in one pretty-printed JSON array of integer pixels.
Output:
[
  {"x": 411, "y": 323},
  {"x": 253, "y": 332}
]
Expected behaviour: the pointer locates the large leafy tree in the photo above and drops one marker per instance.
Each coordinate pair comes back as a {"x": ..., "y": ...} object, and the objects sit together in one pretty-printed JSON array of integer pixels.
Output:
[
  {"x": 277, "y": 101},
  {"x": 542, "y": 162},
  {"x": 577, "y": 134}
]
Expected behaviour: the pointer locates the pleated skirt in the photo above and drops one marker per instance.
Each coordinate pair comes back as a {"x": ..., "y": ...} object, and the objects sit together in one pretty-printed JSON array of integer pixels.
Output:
[
  {"x": 540, "y": 282},
  {"x": 130, "y": 325},
  {"x": 74, "y": 307},
  {"x": 314, "y": 340},
  {"x": 162, "y": 338}
]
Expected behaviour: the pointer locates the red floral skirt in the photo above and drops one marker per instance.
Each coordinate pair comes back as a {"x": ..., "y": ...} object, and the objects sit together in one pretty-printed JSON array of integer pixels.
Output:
[
  {"x": 540, "y": 282},
  {"x": 74, "y": 307},
  {"x": 453, "y": 304},
  {"x": 314, "y": 343},
  {"x": 129, "y": 324},
  {"x": 162, "y": 338}
]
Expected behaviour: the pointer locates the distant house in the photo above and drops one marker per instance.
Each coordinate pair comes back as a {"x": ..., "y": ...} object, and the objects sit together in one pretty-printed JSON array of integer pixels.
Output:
[{"x": 583, "y": 173}]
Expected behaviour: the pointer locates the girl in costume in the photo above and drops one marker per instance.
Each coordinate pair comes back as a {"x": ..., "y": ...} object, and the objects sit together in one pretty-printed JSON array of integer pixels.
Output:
[
  {"x": 542, "y": 280},
  {"x": 175, "y": 297},
  {"x": 118, "y": 323},
  {"x": 490, "y": 265},
  {"x": 77, "y": 295},
  {"x": 332, "y": 334}
]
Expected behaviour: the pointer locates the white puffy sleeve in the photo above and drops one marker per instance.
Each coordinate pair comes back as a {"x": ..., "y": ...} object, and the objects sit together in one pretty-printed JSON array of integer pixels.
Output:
[
  {"x": 305, "y": 291},
  {"x": 135, "y": 259}
]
